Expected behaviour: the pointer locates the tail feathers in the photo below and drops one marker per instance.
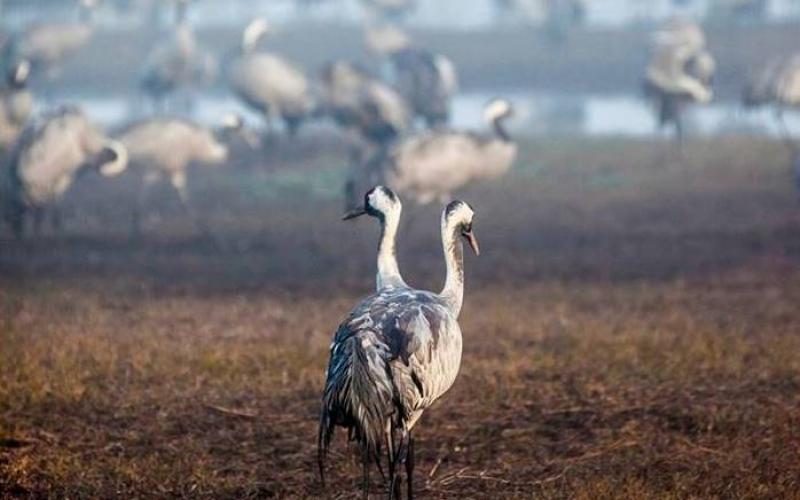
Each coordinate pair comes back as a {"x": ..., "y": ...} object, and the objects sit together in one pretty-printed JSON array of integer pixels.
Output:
[{"x": 358, "y": 394}]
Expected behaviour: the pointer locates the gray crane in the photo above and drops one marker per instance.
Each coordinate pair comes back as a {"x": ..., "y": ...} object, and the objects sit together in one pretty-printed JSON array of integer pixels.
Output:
[
  {"x": 371, "y": 113},
  {"x": 397, "y": 352},
  {"x": 16, "y": 104},
  {"x": 48, "y": 156},
  {"x": 176, "y": 61},
  {"x": 164, "y": 148},
  {"x": 679, "y": 73},
  {"x": 268, "y": 83},
  {"x": 432, "y": 165},
  {"x": 427, "y": 80}
]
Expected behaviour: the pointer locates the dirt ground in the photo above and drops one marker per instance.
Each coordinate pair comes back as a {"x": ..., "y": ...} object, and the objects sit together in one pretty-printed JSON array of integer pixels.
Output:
[{"x": 631, "y": 330}]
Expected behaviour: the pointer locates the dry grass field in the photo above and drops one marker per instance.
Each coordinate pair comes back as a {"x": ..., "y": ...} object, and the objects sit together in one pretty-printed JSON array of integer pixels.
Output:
[{"x": 631, "y": 330}]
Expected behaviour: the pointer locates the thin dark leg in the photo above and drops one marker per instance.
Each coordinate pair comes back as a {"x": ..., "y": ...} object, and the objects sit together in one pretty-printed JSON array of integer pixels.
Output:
[
  {"x": 16, "y": 219},
  {"x": 38, "y": 217},
  {"x": 365, "y": 459},
  {"x": 390, "y": 457},
  {"x": 321, "y": 465},
  {"x": 378, "y": 464},
  {"x": 679, "y": 131},
  {"x": 56, "y": 219},
  {"x": 400, "y": 454},
  {"x": 410, "y": 466}
]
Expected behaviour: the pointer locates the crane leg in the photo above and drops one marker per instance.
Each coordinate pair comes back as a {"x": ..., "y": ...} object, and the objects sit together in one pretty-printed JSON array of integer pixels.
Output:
[
  {"x": 679, "y": 132},
  {"x": 365, "y": 458},
  {"x": 148, "y": 179},
  {"x": 178, "y": 181},
  {"x": 392, "y": 459},
  {"x": 402, "y": 454},
  {"x": 15, "y": 216},
  {"x": 38, "y": 217},
  {"x": 410, "y": 465},
  {"x": 56, "y": 219}
]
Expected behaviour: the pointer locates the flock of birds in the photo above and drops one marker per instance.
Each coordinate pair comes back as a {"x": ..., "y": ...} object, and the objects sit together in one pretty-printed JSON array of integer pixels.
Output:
[
  {"x": 681, "y": 70},
  {"x": 395, "y": 126},
  {"x": 399, "y": 350}
]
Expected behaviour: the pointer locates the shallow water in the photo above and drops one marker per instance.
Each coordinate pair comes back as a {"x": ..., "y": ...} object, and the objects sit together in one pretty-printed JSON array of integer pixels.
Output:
[
  {"x": 463, "y": 14},
  {"x": 537, "y": 114}
]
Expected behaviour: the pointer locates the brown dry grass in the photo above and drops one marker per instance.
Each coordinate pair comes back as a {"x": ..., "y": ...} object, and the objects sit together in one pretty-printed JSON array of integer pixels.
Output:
[{"x": 631, "y": 331}]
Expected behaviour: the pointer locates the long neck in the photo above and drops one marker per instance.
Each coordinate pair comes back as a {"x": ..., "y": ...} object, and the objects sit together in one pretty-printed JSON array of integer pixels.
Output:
[
  {"x": 388, "y": 271},
  {"x": 500, "y": 129},
  {"x": 453, "y": 291}
]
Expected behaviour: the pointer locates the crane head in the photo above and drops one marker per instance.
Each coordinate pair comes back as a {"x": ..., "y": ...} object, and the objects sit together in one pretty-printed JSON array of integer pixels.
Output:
[
  {"x": 379, "y": 202},
  {"x": 458, "y": 216},
  {"x": 497, "y": 109}
]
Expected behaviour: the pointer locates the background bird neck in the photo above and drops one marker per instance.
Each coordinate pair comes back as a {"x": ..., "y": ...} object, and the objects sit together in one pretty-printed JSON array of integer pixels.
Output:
[{"x": 500, "y": 130}]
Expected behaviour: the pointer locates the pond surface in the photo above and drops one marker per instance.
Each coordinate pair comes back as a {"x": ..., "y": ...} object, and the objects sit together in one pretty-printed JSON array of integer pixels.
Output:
[{"x": 536, "y": 114}]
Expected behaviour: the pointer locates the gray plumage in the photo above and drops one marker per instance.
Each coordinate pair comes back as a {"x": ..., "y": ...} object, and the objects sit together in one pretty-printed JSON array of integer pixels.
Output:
[
  {"x": 177, "y": 61},
  {"x": 432, "y": 165},
  {"x": 361, "y": 103},
  {"x": 164, "y": 148},
  {"x": 428, "y": 82},
  {"x": 397, "y": 352},
  {"x": 679, "y": 72},
  {"x": 16, "y": 105},
  {"x": 778, "y": 83},
  {"x": 268, "y": 83},
  {"x": 49, "y": 154}
]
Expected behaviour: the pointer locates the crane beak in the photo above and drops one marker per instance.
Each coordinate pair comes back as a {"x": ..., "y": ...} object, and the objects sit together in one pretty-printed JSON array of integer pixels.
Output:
[
  {"x": 472, "y": 240},
  {"x": 356, "y": 212}
]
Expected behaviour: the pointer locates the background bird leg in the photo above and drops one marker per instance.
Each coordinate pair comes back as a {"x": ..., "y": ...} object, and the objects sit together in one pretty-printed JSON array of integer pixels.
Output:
[
  {"x": 410, "y": 465},
  {"x": 178, "y": 180}
]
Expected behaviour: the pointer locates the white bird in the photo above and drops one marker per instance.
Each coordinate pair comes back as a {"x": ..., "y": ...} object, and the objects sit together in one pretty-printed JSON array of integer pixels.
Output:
[
  {"x": 16, "y": 105},
  {"x": 164, "y": 148},
  {"x": 679, "y": 72},
  {"x": 177, "y": 61},
  {"x": 397, "y": 352},
  {"x": 432, "y": 165},
  {"x": 46, "y": 159},
  {"x": 268, "y": 83},
  {"x": 47, "y": 45}
]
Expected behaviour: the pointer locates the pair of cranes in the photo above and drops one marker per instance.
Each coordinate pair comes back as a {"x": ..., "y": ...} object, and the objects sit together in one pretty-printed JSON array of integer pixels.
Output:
[{"x": 398, "y": 351}]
